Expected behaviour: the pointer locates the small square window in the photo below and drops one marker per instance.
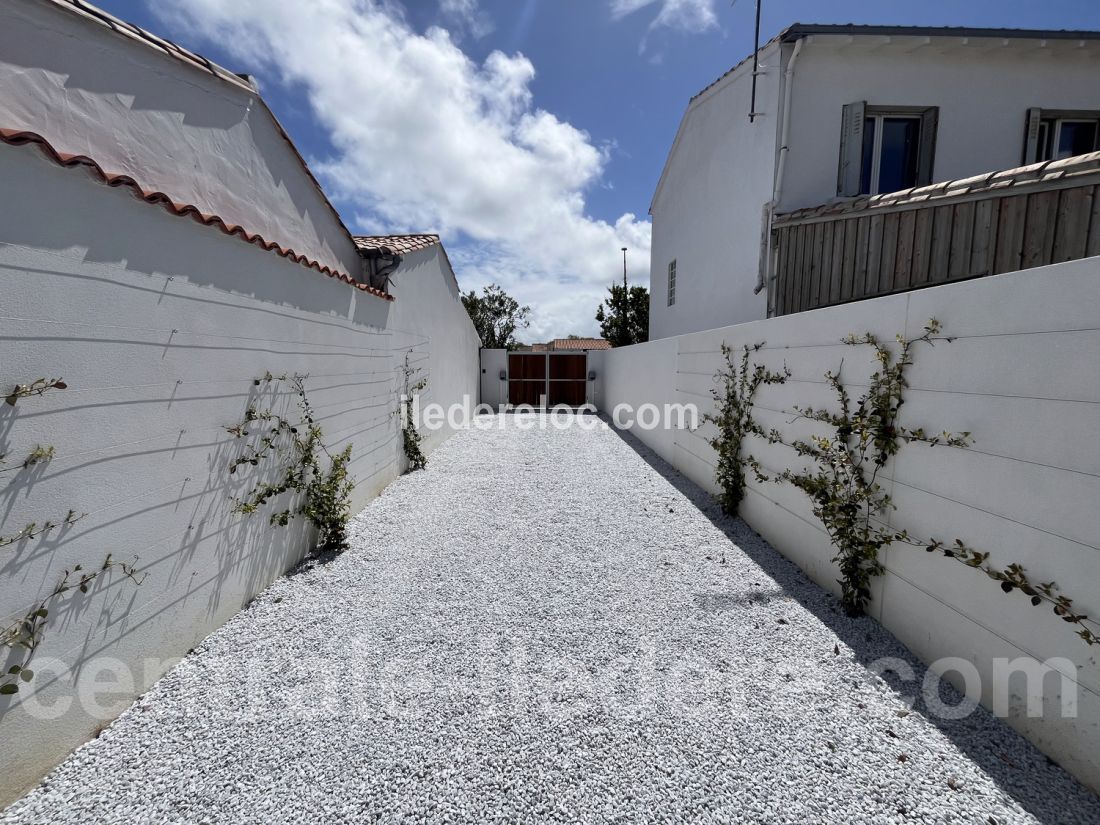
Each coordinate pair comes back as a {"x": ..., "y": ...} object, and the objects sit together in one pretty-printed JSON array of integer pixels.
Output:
[{"x": 672, "y": 283}]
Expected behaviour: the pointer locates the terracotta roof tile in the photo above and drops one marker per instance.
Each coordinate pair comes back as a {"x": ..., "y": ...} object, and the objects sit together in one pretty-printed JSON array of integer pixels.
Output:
[
  {"x": 399, "y": 244},
  {"x": 17, "y": 137},
  {"x": 559, "y": 344}
]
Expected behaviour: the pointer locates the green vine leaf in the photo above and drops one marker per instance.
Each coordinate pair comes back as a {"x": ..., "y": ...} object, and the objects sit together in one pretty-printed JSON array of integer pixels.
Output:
[
  {"x": 842, "y": 481},
  {"x": 736, "y": 384},
  {"x": 297, "y": 451}
]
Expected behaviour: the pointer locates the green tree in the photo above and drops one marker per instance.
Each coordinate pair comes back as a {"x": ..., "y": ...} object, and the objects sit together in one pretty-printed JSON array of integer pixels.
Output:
[
  {"x": 624, "y": 315},
  {"x": 496, "y": 316}
]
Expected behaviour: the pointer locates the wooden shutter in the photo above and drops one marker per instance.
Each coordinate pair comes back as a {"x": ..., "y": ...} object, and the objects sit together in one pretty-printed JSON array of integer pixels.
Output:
[
  {"x": 1031, "y": 136},
  {"x": 926, "y": 157},
  {"x": 851, "y": 149}
]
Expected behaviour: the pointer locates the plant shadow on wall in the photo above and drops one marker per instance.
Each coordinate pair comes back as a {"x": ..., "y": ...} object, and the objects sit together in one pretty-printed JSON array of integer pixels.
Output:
[
  {"x": 290, "y": 446},
  {"x": 21, "y": 636},
  {"x": 842, "y": 479}
]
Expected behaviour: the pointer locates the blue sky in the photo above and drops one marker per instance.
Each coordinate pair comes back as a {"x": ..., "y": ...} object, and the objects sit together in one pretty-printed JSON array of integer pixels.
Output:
[{"x": 531, "y": 133}]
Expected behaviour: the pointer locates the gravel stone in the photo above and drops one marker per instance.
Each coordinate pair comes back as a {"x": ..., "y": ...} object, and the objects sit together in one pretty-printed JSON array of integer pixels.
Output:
[{"x": 549, "y": 626}]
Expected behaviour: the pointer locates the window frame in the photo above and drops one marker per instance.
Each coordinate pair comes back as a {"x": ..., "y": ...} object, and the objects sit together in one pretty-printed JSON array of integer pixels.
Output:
[
  {"x": 850, "y": 171},
  {"x": 879, "y": 119},
  {"x": 672, "y": 282},
  {"x": 1043, "y": 128}
]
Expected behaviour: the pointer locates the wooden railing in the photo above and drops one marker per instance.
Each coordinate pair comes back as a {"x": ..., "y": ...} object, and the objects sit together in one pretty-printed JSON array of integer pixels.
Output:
[{"x": 1000, "y": 222}]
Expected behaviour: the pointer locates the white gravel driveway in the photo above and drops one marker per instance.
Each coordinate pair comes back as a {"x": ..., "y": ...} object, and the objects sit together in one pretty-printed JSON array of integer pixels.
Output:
[{"x": 543, "y": 627}]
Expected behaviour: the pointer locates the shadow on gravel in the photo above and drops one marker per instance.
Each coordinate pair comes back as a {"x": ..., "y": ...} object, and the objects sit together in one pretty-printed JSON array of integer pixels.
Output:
[{"x": 1036, "y": 782}]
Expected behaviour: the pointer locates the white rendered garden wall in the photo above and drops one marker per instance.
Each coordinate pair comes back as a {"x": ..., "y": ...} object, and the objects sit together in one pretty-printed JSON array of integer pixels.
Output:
[
  {"x": 1023, "y": 375},
  {"x": 159, "y": 326}
]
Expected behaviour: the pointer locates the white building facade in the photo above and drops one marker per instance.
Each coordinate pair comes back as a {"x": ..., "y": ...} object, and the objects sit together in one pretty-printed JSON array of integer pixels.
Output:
[{"x": 842, "y": 111}]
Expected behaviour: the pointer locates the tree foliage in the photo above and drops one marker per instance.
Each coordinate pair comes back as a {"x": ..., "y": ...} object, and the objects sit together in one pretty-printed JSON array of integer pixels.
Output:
[
  {"x": 624, "y": 315},
  {"x": 496, "y": 316}
]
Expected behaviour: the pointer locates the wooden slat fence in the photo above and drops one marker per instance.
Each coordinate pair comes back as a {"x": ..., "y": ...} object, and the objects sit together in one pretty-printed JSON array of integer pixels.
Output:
[{"x": 1002, "y": 222}]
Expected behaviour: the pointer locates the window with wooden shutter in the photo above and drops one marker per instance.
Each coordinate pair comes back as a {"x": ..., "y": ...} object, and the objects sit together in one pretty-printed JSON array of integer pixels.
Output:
[
  {"x": 851, "y": 149},
  {"x": 886, "y": 148},
  {"x": 1057, "y": 134}
]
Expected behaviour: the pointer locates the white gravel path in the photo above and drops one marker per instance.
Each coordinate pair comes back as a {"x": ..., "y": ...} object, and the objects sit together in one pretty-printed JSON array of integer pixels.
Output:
[{"x": 543, "y": 627}]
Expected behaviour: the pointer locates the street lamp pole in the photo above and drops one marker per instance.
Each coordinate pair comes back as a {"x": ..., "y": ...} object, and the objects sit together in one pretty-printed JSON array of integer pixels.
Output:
[{"x": 626, "y": 303}]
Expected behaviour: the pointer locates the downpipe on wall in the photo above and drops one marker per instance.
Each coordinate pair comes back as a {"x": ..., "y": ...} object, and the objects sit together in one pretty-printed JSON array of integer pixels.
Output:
[{"x": 767, "y": 276}]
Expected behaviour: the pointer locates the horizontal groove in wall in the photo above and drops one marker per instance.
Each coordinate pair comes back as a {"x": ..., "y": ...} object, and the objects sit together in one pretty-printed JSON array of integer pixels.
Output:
[
  {"x": 125, "y": 278},
  {"x": 169, "y": 332},
  {"x": 972, "y": 507},
  {"x": 244, "y": 381},
  {"x": 892, "y": 572},
  {"x": 1071, "y": 675},
  {"x": 888, "y": 340},
  {"x": 996, "y": 515},
  {"x": 172, "y": 345}
]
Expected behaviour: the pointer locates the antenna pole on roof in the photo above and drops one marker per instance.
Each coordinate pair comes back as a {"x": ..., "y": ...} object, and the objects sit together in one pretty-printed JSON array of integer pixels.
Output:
[{"x": 755, "y": 63}]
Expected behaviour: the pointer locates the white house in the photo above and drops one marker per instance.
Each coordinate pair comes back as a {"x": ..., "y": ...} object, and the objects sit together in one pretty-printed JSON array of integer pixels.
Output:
[{"x": 844, "y": 110}]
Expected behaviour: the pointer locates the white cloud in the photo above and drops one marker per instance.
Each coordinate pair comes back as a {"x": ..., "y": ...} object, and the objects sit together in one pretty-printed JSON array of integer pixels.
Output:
[
  {"x": 428, "y": 140},
  {"x": 692, "y": 16},
  {"x": 467, "y": 15}
]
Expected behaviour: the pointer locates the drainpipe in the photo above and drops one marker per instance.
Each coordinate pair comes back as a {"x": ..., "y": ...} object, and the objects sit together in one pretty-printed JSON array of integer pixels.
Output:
[{"x": 777, "y": 189}]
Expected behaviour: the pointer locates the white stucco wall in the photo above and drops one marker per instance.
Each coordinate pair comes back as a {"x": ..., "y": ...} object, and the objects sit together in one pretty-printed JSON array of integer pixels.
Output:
[
  {"x": 983, "y": 90},
  {"x": 159, "y": 326},
  {"x": 707, "y": 210},
  {"x": 637, "y": 375},
  {"x": 494, "y": 391},
  {"x": 1017, "y": 376},
  {"x": 720, "y": 172},
  {"x": 173, "y": 127}
]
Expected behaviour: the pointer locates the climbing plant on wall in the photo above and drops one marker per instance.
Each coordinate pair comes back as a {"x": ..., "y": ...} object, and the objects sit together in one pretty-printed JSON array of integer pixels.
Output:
[
  {"x": 22, "y": 637},
  {"x": 736, "y": 384},
  {"x": 295, "y": 449},
  {"x": 410, "y": 436},
  {"x": 842, "y": 480}
]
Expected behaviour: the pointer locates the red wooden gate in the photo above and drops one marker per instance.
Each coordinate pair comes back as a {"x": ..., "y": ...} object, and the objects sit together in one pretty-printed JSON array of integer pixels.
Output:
[{"x": 547, "y": 378}]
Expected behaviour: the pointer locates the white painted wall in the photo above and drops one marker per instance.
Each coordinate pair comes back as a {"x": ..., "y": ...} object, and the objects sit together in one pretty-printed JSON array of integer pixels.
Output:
[
  {"x": 637, "y": 375},
  {"x": 173, "y": 127},
  {"x": 494, "y": 391},
  {"x": 707, "y": 210},
  {"x": 1018, "y": 376},
  {"x": 159, "y": 326},
  {"x": 983, "y": 90},
  {"x": 720, "y": 172}
]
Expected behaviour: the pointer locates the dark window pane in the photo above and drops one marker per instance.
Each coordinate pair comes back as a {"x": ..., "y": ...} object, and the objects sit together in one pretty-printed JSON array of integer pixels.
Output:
[
  {"x": 1078, "y": 137},
  {"x": 1043, "y": 140},
  {"x": 868, "y": 156},
  {"x": 900, "y": 149}
]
